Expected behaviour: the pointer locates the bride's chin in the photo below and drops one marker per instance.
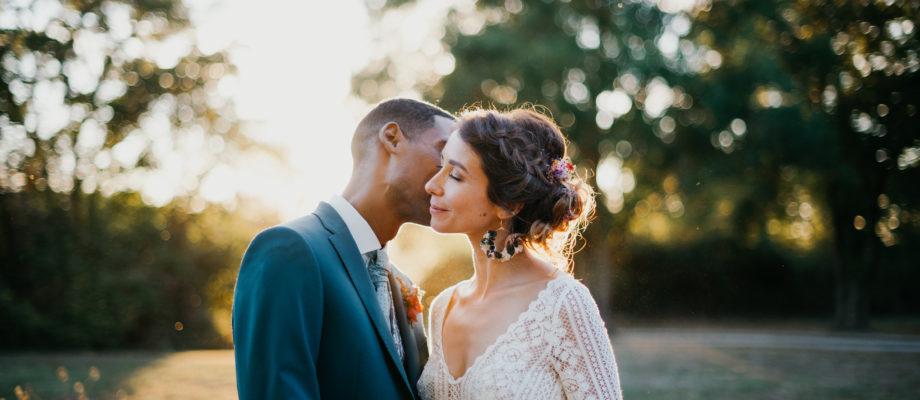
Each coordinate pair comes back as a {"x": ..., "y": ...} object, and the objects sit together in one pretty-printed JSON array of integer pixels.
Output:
[
  {"x": 440, "y": 228},
  {"x": 436, "y": 227}
]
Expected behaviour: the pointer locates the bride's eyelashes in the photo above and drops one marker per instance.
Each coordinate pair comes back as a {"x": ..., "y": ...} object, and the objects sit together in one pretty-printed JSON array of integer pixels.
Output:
[{"x": 450, "y": 175}]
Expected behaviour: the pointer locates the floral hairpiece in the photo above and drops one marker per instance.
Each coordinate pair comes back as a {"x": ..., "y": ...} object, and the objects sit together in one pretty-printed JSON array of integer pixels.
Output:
[
  {"x": 570, "y": 216},
  {"x": 561, "y": 170}
]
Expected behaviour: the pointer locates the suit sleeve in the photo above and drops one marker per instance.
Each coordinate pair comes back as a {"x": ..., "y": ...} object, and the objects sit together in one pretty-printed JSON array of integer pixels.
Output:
[{"x": 277, "y": 318}]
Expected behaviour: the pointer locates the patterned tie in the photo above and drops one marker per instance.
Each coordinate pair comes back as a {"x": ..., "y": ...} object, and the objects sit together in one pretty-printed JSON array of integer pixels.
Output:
[{"x": 378, "y": 265}]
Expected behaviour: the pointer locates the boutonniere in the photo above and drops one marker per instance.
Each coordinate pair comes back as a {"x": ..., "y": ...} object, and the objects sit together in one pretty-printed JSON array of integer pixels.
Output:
[{"x": 412, "y": 298}]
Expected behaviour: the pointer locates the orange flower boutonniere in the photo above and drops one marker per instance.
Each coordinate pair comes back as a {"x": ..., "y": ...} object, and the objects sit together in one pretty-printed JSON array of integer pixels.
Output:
[{"x": 412, "y": 298}]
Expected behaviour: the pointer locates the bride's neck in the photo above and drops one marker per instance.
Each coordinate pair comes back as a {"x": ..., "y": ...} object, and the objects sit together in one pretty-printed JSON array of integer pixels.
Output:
[{"x": 490, "y": 274}]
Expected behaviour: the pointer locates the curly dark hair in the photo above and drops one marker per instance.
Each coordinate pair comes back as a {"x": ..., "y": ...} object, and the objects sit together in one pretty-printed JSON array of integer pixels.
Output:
[{"x": 517, "y": 149}]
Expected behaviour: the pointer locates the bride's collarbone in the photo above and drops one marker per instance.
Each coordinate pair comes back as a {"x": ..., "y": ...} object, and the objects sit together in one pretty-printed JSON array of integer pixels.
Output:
[
  {"x": 510, "y": 301},
  {"x": 484, "y": 313},
  {"x": 472, "y": 325}
]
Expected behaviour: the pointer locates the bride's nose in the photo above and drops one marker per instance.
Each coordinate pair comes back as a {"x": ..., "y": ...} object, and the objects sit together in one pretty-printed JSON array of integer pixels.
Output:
[{"x": 433, "y": 186}]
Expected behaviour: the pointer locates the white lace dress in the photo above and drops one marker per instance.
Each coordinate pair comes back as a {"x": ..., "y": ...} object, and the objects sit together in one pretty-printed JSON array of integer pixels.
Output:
[{"x": 557, "y": 349}]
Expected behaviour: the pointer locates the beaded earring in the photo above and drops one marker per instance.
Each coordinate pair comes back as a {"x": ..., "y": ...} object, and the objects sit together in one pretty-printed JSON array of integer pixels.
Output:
[{"x": 512, "y": 245}]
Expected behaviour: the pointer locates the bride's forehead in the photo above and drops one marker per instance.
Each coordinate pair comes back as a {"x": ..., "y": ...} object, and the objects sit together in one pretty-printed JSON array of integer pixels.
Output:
[
  {"x": 458, "y": 150},
  {"x": 456, "y": 146}
]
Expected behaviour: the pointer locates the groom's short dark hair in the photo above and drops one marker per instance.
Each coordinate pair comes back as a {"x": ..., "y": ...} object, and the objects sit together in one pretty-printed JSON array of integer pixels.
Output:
[{"x": 412, "y": 116}]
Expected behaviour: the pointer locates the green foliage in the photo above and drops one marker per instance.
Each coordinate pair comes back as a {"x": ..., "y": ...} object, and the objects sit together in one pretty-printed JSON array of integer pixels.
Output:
[
  {"x": 783, "y": 128},
  {"x": 94, "y": 98},
  {"x": 769, "y": 282},
  {"x": 111, "y": 272},
  {"x": 92, "y": 90}
]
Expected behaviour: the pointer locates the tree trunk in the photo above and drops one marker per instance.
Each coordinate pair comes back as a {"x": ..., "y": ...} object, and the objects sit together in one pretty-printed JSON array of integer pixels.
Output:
[
  {"x": 595, "y": 266},
  {"x": 857, "y": 253},
  {"x": 602, "y": 280},
  {"x": 851, "y": 306}
]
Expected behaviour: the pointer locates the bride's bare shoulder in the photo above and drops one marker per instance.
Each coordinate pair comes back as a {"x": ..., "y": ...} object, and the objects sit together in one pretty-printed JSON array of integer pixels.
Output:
[{"x": 440, "y": 301}]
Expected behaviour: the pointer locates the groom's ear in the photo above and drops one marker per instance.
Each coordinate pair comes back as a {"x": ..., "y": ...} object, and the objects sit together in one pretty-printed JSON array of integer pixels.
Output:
[{"x": 391, "y": 136}]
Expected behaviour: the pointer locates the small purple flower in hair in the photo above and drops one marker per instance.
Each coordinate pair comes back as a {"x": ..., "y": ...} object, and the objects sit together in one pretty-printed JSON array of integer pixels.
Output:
[
  {"x": 569, "y": 216},
  {"x": 561, "y": 170}
]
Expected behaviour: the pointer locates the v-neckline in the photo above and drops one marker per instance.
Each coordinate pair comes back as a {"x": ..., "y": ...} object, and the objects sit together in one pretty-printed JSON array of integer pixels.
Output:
[{"x": 498, "y": 338}]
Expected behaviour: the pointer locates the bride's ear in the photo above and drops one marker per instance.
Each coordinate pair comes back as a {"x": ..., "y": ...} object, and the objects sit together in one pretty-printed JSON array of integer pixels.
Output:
[
  {"x": 504, "y": 213},
  {"x": 391, "y": 136}
]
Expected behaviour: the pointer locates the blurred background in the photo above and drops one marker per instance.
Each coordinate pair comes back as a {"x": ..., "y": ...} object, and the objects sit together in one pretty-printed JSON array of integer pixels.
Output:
[{"x": 757, "y": 163}]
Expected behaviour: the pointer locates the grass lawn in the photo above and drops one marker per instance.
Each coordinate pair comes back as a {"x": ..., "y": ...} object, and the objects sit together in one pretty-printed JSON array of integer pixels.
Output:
[
  {"x": 119, "y": 375},
  {"x": 649, "y": 369},
  {"x": 700, "y": 372}
]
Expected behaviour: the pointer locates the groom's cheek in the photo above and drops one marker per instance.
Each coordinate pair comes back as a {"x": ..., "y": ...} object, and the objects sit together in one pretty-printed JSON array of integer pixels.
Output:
[{"x": 431, "y": 174}]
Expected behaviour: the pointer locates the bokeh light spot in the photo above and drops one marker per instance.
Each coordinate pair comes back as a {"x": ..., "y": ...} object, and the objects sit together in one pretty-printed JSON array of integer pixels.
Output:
[
  {"x": 94, "y": 374},
  {"x": 62, "y": 374},
  {"x": 882, "y": 110},
  {"x": 859, "y": 222},
  {"x": 739, "y": 128}
]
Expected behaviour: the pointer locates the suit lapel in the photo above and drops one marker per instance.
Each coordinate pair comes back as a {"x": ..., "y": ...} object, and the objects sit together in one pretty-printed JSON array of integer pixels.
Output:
[{"x": 345, "y": 246}]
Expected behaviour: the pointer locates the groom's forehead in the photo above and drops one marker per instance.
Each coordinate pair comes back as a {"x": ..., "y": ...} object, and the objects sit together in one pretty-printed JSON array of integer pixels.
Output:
[
  {"x": 443, "y": 127},
  {"x": 439, "y": 145},
  {"x": 430, "y": 137},
  {"x": 438, "y": 134}
]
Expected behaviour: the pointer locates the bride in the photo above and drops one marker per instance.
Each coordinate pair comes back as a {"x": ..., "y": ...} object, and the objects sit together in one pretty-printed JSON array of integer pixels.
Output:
[{"x": 521, "y": 327}]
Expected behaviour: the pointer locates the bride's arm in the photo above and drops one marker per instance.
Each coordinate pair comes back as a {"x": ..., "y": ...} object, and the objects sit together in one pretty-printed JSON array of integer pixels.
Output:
[{"x": 582, "y": 354}]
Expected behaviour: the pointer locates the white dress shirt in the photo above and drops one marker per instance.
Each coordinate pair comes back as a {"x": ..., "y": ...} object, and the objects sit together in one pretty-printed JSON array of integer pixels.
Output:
[
  {"x": 361, "y": 231},
  {"x": 368, "y": 243}
]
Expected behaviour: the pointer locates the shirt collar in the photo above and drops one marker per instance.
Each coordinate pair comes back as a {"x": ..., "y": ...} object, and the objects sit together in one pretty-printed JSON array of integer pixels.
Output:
[{"x": 360, "y": 230}]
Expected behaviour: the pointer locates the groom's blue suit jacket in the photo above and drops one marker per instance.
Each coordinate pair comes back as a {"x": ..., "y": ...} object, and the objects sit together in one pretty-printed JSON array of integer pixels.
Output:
[{"x": 307, "y": 323}]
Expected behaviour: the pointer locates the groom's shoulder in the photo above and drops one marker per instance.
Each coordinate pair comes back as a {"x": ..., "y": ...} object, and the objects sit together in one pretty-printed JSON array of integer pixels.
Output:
[
  {"x": 307, "y": 229},
  {"x": 306, "y": 225}
]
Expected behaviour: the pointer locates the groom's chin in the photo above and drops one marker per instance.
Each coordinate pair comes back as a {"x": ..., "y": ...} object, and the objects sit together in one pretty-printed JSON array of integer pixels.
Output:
[
  {"x": 423, "y": 219},
  {"x": 422, "y": 216}
]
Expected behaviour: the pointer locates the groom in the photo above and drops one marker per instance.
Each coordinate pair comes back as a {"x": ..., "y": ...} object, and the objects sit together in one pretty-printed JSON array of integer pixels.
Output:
[{"x": 318, "y": 311}]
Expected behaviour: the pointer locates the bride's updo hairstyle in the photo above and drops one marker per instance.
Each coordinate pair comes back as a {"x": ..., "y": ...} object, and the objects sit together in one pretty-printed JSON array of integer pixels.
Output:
[{"x": 518, "y": 149}]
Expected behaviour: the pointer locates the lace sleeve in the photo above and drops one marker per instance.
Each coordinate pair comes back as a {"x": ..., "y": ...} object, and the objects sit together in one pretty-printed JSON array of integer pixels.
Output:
[{"x": 582, "y": 355}]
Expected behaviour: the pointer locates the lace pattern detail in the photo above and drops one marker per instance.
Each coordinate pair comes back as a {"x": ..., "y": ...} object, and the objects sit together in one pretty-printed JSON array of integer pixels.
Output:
[{"x": 558, "y": 348}]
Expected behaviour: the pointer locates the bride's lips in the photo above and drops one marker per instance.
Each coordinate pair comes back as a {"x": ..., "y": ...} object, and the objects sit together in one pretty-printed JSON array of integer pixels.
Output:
[{"x": 433, "y": 209}]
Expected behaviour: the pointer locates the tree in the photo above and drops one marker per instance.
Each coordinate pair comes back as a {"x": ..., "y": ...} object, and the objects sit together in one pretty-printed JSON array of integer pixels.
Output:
[
  {"x": 742, "y": 121},
  {"x": 92, "y": 91},
  {"x": 852, "y": 66},
  {"x": 96, "y": 99}
]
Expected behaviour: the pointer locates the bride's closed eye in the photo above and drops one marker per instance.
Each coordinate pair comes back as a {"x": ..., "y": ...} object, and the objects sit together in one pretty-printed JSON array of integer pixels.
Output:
[{"x": 450, "y": 175}]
